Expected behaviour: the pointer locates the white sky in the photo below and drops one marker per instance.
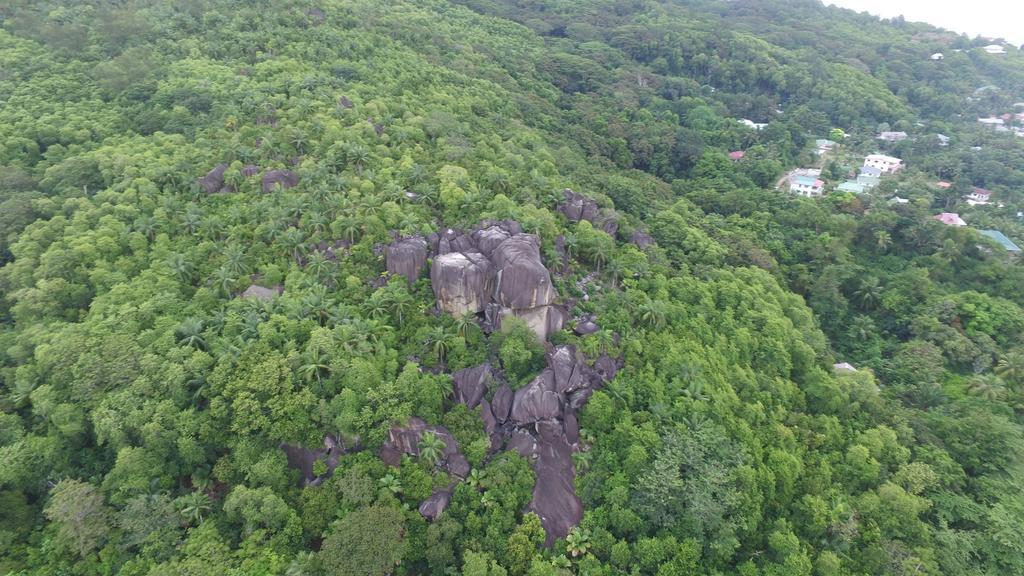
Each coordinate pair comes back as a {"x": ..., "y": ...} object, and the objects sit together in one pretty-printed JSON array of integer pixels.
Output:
[{"x": 995, "y": 18}]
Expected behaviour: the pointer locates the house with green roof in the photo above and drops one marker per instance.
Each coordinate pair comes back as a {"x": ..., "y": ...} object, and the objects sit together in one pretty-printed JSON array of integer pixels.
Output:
[
  {"x": 1002, "y": 240},
  {"x": 851, "y": 186}
]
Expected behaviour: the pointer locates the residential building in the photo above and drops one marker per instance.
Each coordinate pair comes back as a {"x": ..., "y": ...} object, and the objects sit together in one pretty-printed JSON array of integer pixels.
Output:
[
  {"x": 806, "y": 185},
  {"x": 824, "y": 145},
  {"x": 979, "y": 196},
  {"x": 950, "y": 219},
  {"x": 871, "y": 171},
  {"x": 868, "y": 181},
  {"x": 737, "y": 155},
  {"x": 943, "y": 184},
  {"x": 898, "y": 200},
  {"x": 843, "y": 367},
  {"x": 752, "y": 124},
  {"x": 887, "y": 164},
  {"x": 992, "y": 121},
  {"x": 994, "y": 49},
  {"x": 892, "y": 136},
  {"x": 938, "y": 56},
  {"x": 943, "y": 139},
  {"x": 1002, "y": 240},
  {"x": 850, "y": 186}
]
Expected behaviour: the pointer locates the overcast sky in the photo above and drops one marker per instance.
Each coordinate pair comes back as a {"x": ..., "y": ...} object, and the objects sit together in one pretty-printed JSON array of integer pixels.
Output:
[{"x": 996, "y": 18}]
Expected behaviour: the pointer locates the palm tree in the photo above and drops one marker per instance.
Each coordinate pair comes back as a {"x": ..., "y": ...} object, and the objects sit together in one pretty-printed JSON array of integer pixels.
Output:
[
  {"x": 180, "y": 267},
  {"x": 223, "y": 280},
  {"x": 320, "y": 266},
  {"x": 466, "y": 324},
  {"x": 883, "y": 240},
  {"x": 349, "y": 228},
  {"x": 431, "y": 448},
  {"x": 234, "y": 260},
  {"x": 987, "y": 386},
  {"x": 400, "y": 303},
  {"x": 146, "y": 226},
  {"x": 614, "y": 269},
  {"x": 440, "y": 341},
  {"x": 577, "y": 542},
  {"x": 869, "y": 293},
  {"x": 391, "y": 483},
  {"x": 653, "y": 313},
  {"x": 316, "y": 367},
  {"x": 194, "y": 506},
  {"x": 1011, "y": 367},
  {"x": 190, "y": 333},
  {"x": 476, "y": 479},
  {"x": 192, "y": 219}
]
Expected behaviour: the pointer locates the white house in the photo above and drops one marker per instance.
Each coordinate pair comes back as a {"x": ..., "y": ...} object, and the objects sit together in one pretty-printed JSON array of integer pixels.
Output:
[
  {"x": 992, "y": 121},
  {"x": 804, "y": 185},
  {"x": 938, "y": 56},
  {"x": 887, "y": 164},
  {"x": 979, "y": 196},
  {"x": 752, "y": 124},
  {"x": 994, "y": 49},
  {"x": 892, "y": 136}
]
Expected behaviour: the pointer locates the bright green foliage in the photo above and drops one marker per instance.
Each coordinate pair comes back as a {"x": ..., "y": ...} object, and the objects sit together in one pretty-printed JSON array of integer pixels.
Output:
[{"x": 143, "y": 401}]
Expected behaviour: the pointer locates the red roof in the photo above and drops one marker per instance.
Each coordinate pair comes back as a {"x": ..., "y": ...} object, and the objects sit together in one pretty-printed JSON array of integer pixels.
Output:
[
  {"x": 950, "y": 219},
  {"x": 736, "y": 155},
  {"x": 980, "y": 191},
  {"x": 943, "y": 184}
]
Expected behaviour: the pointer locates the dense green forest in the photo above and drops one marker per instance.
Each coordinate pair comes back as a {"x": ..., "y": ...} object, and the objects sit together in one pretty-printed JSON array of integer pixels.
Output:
[{"x": 228, "y": 343}]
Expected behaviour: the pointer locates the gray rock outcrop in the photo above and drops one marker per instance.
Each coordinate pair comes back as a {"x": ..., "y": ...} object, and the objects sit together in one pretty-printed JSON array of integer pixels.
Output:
[
  {"x": 285, "y": 178},
  {"x": 406, "y": 257},
  {"x": 213, "y": 182},
  {"x": 302, "y": 459},
  {"x": 577, "y": 207},
  {"x": 257, "y": 292},
  {"x": 435, "y": 505},
  {"x": 470, "y": 384},
  {"x": 461, "y": 282}
]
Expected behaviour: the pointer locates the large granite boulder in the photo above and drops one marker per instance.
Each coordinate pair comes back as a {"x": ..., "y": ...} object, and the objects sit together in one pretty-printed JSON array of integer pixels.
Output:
[
  {"x": 521, "y": 280},
  {"x": 470, "y": 384},
  {"x": 302, "y": 459},
  {"x": 554, "y": 493},
  {"x": 566, "y": 365},
  {"x": 490, "y": 238},
  {"x": 524, "y": 443},
  {"x": 461, "y": 282},
  {"x": 641, "y": 239},
  {"x": 406, "y": 257},
  {"x": 577, "y": 207},
  {"x": 457, "y": 465},
  {"x": 214, "y": 180},
  {"x": 257, "y": 292},
  {"x": 543, "y": 320},
  {"x": 432, "y": 507},
  {"x": 250, "y": 170},
  {"x": 487, "y": 415},
  {"x": 585, "y": 326},
  {"x": 285, "y": 178},
  {"x": 501, "y": 405},
  {"x": 536, "y": 401}
]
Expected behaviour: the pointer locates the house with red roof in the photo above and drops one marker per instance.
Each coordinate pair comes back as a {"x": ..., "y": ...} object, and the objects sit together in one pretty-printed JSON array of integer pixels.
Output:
[
  {"x": 950, "y": 219},
  {"x": 979, "y": 196},
  {"x": 737, "y": 155}
]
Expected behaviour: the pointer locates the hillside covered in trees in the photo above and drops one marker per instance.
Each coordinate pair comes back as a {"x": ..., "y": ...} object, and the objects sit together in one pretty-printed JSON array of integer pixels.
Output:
[{"x": 506, "y": 288}]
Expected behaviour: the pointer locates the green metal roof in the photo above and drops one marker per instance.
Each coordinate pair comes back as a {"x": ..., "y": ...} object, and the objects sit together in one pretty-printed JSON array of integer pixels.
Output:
[{"x": 1001, "y": 239}]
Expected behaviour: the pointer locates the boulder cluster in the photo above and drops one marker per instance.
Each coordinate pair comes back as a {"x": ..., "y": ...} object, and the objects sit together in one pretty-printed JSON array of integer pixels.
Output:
[
  {"x": 539, "y": 421},
  {"x": 214, "y": 182},
  {"x": 495, "y": 270},
  {"x": 302, "y": 459},
  {"x": 406, "y": 440},
  {"x": 577, "y": 207}
]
